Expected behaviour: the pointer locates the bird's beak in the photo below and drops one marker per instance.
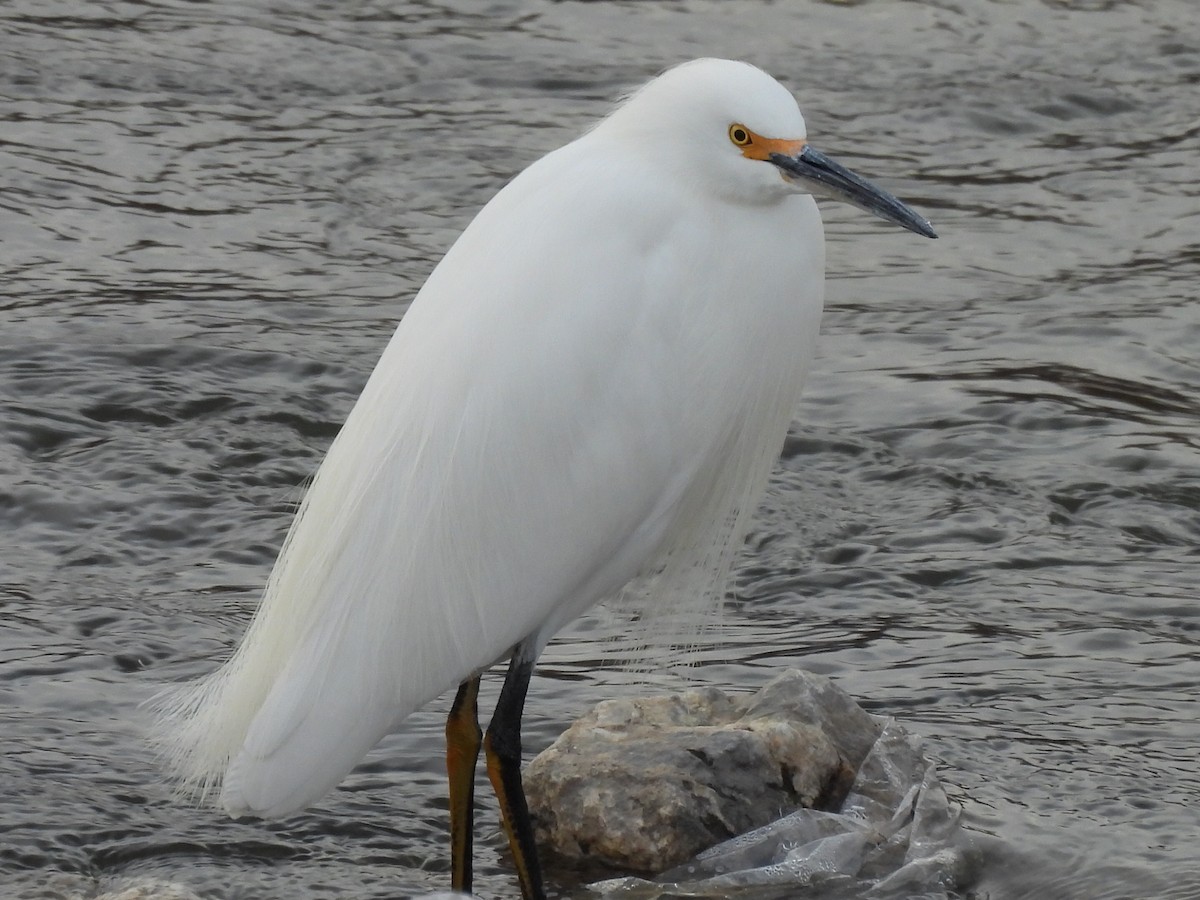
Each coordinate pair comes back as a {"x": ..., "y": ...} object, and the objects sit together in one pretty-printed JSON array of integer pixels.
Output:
[{"x": 821, "y": 175}]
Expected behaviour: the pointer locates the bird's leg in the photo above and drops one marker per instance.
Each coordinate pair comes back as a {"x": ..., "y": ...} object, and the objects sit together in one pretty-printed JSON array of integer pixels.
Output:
[
  {"x": 463, "y": 739},
  {"x": 502, "y": 745}
]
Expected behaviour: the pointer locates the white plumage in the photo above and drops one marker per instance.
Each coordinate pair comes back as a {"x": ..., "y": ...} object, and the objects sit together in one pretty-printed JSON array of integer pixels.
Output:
[{"x": 591, "y": 387}]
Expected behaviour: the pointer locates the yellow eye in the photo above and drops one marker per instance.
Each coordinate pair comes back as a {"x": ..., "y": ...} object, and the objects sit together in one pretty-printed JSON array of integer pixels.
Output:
[{"x": 740, "y": 135}]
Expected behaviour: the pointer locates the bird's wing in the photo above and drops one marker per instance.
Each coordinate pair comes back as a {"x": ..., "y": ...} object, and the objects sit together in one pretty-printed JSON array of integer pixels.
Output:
[{"x": 511, "y": 459}]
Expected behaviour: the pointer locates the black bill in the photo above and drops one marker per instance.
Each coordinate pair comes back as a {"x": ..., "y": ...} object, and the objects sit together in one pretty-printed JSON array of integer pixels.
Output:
[{"x": 823, "y": 176}]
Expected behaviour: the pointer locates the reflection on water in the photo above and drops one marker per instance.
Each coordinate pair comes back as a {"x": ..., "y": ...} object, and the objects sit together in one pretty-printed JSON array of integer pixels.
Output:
[{"x": 984, "y": 523}]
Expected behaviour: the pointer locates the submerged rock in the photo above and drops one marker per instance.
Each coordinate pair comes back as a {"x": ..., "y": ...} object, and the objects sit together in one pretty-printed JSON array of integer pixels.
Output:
[
  {"x": 644, "y": 784},
  {"x": 149, "y": 889}
]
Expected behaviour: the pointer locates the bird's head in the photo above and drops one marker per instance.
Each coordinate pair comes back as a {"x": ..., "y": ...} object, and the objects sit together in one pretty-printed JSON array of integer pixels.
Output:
[{"x": 740, "y": 131}]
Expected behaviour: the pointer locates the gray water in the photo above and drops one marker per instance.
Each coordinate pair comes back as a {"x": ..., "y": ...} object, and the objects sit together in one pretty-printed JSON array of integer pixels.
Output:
[{"x": 985, "y": 522}]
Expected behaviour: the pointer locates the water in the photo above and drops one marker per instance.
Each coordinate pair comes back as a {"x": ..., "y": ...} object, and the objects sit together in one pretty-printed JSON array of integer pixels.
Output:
[{"x": 985, "y": 521}]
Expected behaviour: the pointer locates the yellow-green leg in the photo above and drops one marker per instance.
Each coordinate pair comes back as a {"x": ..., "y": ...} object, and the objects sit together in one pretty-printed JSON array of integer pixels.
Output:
[
  {"x": 462, "y": 752},
  {"x": 502, "y": 746}
]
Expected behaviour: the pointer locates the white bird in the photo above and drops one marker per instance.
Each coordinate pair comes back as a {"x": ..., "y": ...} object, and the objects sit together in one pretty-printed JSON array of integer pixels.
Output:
[{"x": 590, "y": 388}]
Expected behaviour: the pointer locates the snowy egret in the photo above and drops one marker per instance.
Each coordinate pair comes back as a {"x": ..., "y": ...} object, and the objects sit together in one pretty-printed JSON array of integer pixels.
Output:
[{"x": 590, "y": 389}]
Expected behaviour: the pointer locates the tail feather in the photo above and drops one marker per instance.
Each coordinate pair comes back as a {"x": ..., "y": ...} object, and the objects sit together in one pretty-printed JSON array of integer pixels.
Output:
[{"x": 292, "y": 759}]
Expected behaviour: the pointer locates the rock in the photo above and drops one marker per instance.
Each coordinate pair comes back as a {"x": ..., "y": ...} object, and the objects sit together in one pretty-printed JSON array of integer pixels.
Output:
[
  {"x": 896, "y": 836},
  {"x": 644, "y": 784}
]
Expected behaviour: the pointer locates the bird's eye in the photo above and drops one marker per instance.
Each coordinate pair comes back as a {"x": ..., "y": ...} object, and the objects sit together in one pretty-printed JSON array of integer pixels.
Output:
[{"x": 740, "y": 135}]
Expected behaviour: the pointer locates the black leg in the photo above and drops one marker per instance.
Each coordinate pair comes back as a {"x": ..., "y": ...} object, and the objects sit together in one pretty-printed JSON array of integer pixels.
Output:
[
  {"x": 462, "y": 752},
  {"x": 502, "y": 745}
]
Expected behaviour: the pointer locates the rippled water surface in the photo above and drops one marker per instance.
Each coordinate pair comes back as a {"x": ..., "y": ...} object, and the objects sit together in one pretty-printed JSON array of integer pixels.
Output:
[{"x": 985, "y": 521}]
